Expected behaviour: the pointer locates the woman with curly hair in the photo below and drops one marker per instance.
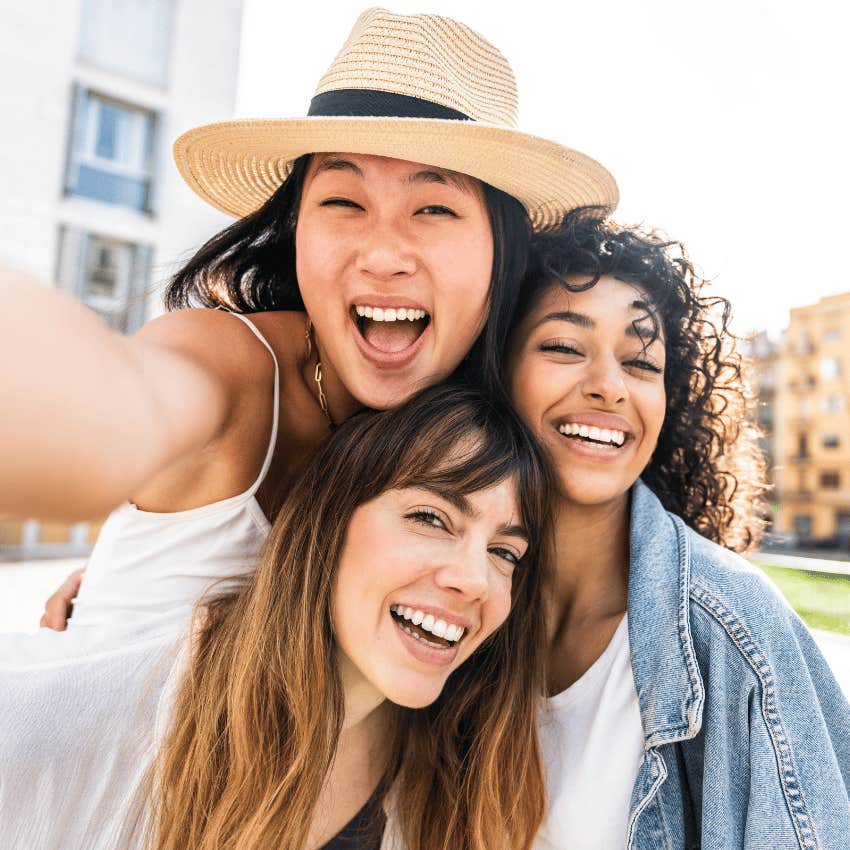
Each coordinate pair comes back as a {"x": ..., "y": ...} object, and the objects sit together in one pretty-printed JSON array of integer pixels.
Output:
[{"x": 689, "y": 706}]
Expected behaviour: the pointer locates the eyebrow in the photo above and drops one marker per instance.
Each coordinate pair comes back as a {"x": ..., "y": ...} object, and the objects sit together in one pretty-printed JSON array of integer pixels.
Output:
[
  {"x": 636, "y": 328},
  {"x": 467, "y": 509},
  {"x": 427, "y": 175}
]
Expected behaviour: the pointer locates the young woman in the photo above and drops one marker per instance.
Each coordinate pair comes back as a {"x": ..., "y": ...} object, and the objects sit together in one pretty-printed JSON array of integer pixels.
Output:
[
  {"x": 689, "y": 705},
  {"x": 403, "y": 572},
  {"x": 406, "y": 253}
]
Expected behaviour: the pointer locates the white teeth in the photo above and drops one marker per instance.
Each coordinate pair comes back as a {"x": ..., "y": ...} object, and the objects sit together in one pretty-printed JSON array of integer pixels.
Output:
[
  {"x": 439, "y": 628},
  {"x": 390, "y": 314},
  {"x": 599, "y": 435}
]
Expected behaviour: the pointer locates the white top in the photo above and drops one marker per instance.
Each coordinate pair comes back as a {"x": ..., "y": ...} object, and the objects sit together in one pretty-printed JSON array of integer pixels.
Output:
[
  {"x": 78, "y": 708},
  {"x": 592, "y": 742}
]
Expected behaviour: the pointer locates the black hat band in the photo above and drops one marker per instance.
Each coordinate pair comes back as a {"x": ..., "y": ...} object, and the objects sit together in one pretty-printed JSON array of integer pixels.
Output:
[{"x": 369, "y": 103}]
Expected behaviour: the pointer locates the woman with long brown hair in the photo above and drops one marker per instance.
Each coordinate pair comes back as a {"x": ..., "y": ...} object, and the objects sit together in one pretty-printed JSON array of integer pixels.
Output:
[{"x": 389, "y": 642}]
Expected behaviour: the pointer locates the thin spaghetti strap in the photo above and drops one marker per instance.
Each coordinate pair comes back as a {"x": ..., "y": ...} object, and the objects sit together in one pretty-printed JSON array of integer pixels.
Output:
[{"x": 273, "y": 440}]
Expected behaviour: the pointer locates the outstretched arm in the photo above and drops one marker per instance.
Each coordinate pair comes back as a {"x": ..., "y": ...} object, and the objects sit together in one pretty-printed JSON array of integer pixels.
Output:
[{"x": 89, "y": 415}]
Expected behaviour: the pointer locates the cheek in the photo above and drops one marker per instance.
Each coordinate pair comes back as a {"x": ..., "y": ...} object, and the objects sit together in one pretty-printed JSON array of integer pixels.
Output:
[
  {"x": 498, "y": 603},
  {"x": 465, "y": 283}
]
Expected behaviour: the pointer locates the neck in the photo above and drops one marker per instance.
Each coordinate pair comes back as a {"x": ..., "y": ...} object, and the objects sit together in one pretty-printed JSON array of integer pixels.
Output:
[
  {"x": 341, "y": 404},
  {"x": 591, "y": 580}
]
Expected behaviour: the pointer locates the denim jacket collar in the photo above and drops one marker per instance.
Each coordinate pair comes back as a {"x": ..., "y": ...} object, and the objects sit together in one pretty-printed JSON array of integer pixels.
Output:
[{"x": 669, "y": 686}]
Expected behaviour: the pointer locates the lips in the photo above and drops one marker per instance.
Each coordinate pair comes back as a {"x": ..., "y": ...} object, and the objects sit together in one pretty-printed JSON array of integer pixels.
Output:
[{"x": 390, "y": 337}]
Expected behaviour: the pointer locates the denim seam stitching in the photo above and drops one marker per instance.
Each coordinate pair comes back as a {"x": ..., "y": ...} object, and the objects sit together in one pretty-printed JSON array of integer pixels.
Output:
[
  {"x": 789, "y": 781},
  {"x": 658, "y": 760},
  {"x": 689, "y": 726}
]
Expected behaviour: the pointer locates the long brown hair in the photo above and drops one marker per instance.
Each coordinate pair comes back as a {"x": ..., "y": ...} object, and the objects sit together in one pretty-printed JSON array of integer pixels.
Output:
[{"x": 256, "y": 720}]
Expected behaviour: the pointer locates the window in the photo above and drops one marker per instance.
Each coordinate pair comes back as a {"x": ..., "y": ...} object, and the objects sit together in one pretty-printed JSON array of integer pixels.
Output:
[
  {"x": 831, "y": 441},
  {"x": 132, "y": 37},
  {"x": 802, "y": 526},
  {"x": 832, "y": 335},
  {"x": 830, "y": 367},
  {"x": 830, "y": 480},
  {"x": 802, "y": 445},
  {"x": 110, "y": 151},
  {"x": 804, "y": 342},
  {"x": 108, "y": 275},
  {"x": 832, "y": 403},
  {"x": 805, "y": 408}
]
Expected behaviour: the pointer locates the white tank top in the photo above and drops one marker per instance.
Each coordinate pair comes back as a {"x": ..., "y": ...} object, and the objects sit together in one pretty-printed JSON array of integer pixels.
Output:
[{"x": 78, "y": 708}]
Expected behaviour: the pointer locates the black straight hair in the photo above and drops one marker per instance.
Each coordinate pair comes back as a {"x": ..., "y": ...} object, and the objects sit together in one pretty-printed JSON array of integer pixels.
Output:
[{"x": 249, "y": 267}]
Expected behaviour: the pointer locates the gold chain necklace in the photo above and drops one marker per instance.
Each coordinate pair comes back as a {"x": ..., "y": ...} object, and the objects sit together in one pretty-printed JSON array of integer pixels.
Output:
[{"x": 317, "y": 375}]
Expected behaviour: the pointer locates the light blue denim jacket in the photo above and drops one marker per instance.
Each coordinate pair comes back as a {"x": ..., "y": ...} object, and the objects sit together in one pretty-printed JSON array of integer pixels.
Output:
[{"x": 746, "y": 732}]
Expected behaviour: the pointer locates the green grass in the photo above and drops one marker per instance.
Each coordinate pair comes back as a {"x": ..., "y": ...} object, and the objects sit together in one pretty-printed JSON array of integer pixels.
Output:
[{"x": 821, "y": 599}]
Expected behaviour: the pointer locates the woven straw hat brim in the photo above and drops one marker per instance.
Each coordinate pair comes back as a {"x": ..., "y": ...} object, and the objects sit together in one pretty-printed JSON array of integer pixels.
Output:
[{"x": 237, "y": 165}]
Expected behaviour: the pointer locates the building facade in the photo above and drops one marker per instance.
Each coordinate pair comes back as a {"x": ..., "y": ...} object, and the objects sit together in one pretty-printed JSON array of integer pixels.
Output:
[
  {"x": 813, "y": 445},
  {"x": 93, "y": 92}
]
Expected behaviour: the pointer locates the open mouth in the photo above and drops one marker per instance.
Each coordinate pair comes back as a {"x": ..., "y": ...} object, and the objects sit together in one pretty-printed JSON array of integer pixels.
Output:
[
  {"x": 426, "y": 628},
  {"x": 390, "y": 330},
  {"x": 590, "y": 434}
]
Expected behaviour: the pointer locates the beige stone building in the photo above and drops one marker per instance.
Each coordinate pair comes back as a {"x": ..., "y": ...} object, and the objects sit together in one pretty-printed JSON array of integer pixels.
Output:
[{"x": 812, "y": 418}]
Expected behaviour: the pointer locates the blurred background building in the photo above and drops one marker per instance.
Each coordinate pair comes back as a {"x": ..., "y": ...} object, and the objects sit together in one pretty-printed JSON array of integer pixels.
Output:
[
  {"x": 811, "y": 412},
  {"x": 93, "y": 93}
]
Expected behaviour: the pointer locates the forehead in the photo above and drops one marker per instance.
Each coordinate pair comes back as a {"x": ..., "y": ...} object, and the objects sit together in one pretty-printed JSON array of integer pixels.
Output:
[
  {"x": 608, "y": 302},
  {"x": 369, "y": 167}
]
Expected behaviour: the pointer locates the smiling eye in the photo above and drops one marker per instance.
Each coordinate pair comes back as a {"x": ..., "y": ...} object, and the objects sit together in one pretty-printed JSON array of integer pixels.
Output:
[
  {"x": 644, "y": 365},
  {"x": 506, "y": 555},
  {"x": 340, "y": 202},
  {"x": 425, "y": 516},
  {"x": 559, "y": 348},
  {"x": 437, "y": 209}
]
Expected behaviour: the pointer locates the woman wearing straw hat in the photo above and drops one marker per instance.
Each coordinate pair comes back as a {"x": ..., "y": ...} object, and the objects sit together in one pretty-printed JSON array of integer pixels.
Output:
[{"x": 396, "y": 215}]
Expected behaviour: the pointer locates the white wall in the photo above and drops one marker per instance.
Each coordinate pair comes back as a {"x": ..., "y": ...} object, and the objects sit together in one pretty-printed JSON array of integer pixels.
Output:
[{"x": 38, "y": 67}]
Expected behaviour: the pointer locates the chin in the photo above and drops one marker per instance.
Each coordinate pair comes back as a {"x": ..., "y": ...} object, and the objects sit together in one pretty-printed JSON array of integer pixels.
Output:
[
  {"x": 412, "y": 697},
  {"x": 385, "y": 394},
  {"x": 590, "y": 492}
]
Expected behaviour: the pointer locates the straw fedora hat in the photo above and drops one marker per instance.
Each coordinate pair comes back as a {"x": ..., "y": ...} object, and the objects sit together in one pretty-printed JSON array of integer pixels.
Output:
[{"x": 422, "y": 88}]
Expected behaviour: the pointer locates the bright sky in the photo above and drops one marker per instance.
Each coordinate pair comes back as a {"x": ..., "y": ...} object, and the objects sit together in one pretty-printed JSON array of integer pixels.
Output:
[{"x": 724, "y": 123}]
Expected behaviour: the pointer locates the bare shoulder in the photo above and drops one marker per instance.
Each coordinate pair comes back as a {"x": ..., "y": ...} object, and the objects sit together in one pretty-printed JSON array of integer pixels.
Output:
[
  {"x": 215, "y": 340},
  {"x": 285, "y": 331}
]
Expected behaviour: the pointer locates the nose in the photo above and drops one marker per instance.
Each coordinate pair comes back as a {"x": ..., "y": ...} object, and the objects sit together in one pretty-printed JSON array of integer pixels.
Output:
[
  {"x": 466, "y": 572},
  {"x": 603, "y": 383},
  {"x": 386, "y": 251}
]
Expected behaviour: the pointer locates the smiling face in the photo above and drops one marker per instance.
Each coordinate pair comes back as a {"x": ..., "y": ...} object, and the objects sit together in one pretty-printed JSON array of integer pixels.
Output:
[
  {"x": 588, "y": 378},
  {"x": 423, "y": 579},
  {"x": 393, "y": 261}
]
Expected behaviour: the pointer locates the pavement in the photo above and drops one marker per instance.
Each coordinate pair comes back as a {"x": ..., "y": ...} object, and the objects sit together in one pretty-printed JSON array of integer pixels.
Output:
[{"x": 24, "y": 587}]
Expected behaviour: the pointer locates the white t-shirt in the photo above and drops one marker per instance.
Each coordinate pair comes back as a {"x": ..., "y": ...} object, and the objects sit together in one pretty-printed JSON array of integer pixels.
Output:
[{"x": 592, "y": 742}]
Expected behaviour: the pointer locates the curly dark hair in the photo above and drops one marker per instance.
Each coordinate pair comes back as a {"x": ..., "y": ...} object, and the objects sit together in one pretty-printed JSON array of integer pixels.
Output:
[{"x": 707, "y": 466}]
